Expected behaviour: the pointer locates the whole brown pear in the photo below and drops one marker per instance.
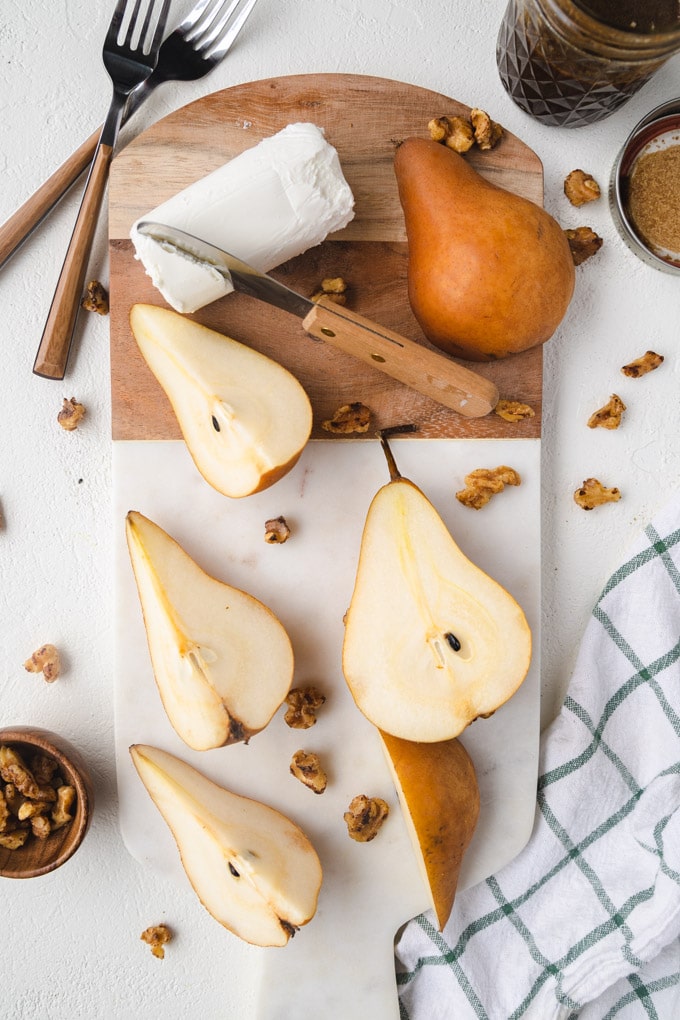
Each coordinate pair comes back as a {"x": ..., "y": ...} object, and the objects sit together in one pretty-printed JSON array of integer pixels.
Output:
[{"x": 489, "y": 273}]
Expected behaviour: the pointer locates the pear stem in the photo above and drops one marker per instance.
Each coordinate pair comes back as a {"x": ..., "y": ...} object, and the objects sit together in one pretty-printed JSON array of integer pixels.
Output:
[{"x": 393, "y": 430}]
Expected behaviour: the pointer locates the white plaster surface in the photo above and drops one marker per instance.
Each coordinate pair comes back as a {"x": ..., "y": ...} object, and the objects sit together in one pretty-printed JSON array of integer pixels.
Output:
[{"x": 69, "y": 942}]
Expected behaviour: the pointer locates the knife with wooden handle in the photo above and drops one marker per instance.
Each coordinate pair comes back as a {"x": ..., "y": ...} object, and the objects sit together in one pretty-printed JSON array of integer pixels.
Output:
[{"x": 423, "y": 369}]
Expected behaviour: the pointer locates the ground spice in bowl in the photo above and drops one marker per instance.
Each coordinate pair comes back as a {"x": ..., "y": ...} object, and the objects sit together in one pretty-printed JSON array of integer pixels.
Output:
[
  {"x": 644, "y": 188},
  {"x": 654, "y": 199}
]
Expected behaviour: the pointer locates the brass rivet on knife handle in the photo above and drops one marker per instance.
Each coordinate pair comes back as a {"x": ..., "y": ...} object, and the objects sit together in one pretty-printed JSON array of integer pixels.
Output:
[
  {"x": 53, "y": 351},
  {"x": 30, "y": 215},
  {"x": 423, "y": 369}
]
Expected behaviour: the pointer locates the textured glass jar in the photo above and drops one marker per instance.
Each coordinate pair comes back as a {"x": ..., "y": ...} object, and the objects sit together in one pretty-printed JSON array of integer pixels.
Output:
[{"x": 567, "y": 68}]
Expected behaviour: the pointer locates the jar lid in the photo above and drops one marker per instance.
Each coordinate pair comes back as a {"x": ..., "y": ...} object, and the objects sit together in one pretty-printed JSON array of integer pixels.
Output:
[{"x": 644, "y": 190}]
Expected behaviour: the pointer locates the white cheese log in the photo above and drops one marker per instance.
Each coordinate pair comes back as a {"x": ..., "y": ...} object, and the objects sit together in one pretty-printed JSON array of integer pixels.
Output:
[{"x": 267, "y": 205}]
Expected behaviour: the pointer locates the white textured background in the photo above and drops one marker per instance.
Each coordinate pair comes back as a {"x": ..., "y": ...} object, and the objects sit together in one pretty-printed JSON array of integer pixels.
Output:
[{"x": 69, "y": 942}]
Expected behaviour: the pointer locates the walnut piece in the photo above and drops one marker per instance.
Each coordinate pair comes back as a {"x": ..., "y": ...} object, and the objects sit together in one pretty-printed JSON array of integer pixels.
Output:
[
  {"x": 157, "y": 936},
  {"x": 487, "y": 132},
  {"x": 348, "y": 419},
  {"x": 334, "y": 288},
  {"x": 15, "y": 839},
  {"x": 584, "y": 243},
  {"x": 96, "y": 298},
  {"x": 276, "y": 531},
  {"x": 514, "y": 410},
  {"x": 14, "y": 770},
  {"x": 483, "y": 483},
  {"x": 5, "y": 814},
  {"x": 580, "y": 187},
  {"x": 306, "y": 766},
  {"x": 461, "y": 133},
  {"x": 609, "y": 416},
  {"x": 35, "y": 800},
  {"x": 454, "y": 132},
  {"x": 71, "y": 414},
  {"x": 593, "y": 493},
  {"x": 647, "y": 363},
  {"x": 303, "y": 703},
  {"x": 365, "y": 816},
  {"x": 45, "y": 660},
  {"x": 62, "y": 811}
]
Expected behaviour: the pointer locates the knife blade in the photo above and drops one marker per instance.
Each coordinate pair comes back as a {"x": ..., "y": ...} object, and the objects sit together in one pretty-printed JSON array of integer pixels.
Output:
[{"x": 433, "y": 374}]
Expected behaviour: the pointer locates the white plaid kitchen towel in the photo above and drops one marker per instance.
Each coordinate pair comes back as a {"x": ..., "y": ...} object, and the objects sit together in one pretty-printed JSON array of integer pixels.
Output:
[{"x": 585, "y": 922}]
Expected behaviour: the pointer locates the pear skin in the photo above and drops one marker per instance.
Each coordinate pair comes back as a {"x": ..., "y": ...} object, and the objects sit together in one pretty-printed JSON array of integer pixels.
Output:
[
  {"x": 439, "y": 797},
  {"x": 490, "y": 273}
]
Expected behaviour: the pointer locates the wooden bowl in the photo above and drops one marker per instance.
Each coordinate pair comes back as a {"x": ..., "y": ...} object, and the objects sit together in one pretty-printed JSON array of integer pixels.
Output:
[{"x": 40, "y": 856}]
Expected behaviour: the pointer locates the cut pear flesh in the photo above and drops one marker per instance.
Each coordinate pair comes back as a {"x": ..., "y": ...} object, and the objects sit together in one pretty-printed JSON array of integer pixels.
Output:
[
  {"x": 431, "y": 641},
  {"x": 245, "y": 419},
  {"x": 252, "y": 868},
  {"x": 439, "y": 797},
  {"x": 222, "y": 661}
]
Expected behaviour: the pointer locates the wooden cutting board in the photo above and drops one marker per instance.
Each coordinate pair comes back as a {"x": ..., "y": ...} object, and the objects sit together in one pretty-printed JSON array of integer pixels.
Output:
[
  {"x": 364, "y": 118},
  {"x": 342, "y": 963}
]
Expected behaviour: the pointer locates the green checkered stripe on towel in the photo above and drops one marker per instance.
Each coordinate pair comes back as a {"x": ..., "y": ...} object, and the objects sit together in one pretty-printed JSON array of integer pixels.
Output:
[{"x": 594, "y": 898}]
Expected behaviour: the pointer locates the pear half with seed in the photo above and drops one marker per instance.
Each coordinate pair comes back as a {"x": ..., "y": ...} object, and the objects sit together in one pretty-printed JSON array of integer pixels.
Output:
[
  {"x": 222, "y": 661},
  {"x": 431, "y": 641},
  {"x": 252, "y": 868},
  {"x": 245, "y": 419},
  {"x": 439, "y": 798}
]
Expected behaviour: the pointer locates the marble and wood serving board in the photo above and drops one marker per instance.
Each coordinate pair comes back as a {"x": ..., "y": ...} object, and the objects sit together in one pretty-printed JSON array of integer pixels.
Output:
[{"x": 343, "y": 960}]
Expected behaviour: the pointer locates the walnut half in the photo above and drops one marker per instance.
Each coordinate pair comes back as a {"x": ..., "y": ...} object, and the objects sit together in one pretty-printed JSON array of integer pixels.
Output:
[
  {"x": 583, "y": 243},
  {"x": 157, "y": 936},
  {"x": 365, "y": 816},
  {"x": 348, "y": 419},
  {"x": 580, "y": 187},
  {"x": 483, "y": 483},
  {"x": 593, "y": 493},
  {"x": 609, "y": 416},
  {"x": 302, "y": 705},
  {"x": 306, "y": 766},
  {"x": 641, "y": 366},
  {"x": 45, "y": 660}
]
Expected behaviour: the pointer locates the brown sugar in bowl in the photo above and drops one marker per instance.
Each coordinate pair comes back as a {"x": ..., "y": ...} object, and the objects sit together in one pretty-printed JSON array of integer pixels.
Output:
[{"x": 40, "y": 856}]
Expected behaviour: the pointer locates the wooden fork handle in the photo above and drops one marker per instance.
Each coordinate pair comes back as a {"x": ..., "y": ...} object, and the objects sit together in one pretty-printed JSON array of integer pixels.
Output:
[
  {"x": 34, "y": 210},
  {"x": 54, "y": 347},
  {"x": 423, "y": 369}
]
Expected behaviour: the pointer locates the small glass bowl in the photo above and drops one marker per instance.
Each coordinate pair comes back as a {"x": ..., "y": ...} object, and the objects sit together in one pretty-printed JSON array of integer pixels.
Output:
[{"x": 658, "y": 130}]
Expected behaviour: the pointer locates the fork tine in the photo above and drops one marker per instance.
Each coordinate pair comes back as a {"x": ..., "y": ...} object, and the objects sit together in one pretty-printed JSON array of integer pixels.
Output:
[
  {"x": 116, "y": 22},
  {"x": 207, "y": 18},
  {"x": 224, "y": 27},
  {"x": 132, "y": 23},
  {"x": 160, "y": 27},
  {"x": 230, "y": 29}
]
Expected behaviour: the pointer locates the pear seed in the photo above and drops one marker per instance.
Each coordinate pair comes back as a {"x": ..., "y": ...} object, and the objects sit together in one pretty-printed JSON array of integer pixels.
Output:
[{"x": 453, "y": 641}]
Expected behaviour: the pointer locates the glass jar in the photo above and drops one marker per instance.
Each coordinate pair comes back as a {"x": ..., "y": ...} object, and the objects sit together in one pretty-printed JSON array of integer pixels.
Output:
[{"x": 573, "y": 62}]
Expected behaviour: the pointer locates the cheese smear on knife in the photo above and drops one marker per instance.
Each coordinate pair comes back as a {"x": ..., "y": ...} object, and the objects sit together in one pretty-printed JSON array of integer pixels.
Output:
[{"x": 266, "y": 205}]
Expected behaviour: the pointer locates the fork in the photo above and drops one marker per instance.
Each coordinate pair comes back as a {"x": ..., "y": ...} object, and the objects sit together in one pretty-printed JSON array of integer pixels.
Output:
[
  {"x": 128, "y": 61},
  {"x": 200, "y": 42}
]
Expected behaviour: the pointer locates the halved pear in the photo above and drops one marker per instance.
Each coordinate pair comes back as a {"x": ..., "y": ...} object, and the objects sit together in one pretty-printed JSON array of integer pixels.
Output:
[
  {"x": 439, "y": 797},
  {"x": 245, "y": 418},
  {"x": 222, "y": 660},
  {"x": 431, "y": 641},
  {"x": 252, "y": 868}
]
